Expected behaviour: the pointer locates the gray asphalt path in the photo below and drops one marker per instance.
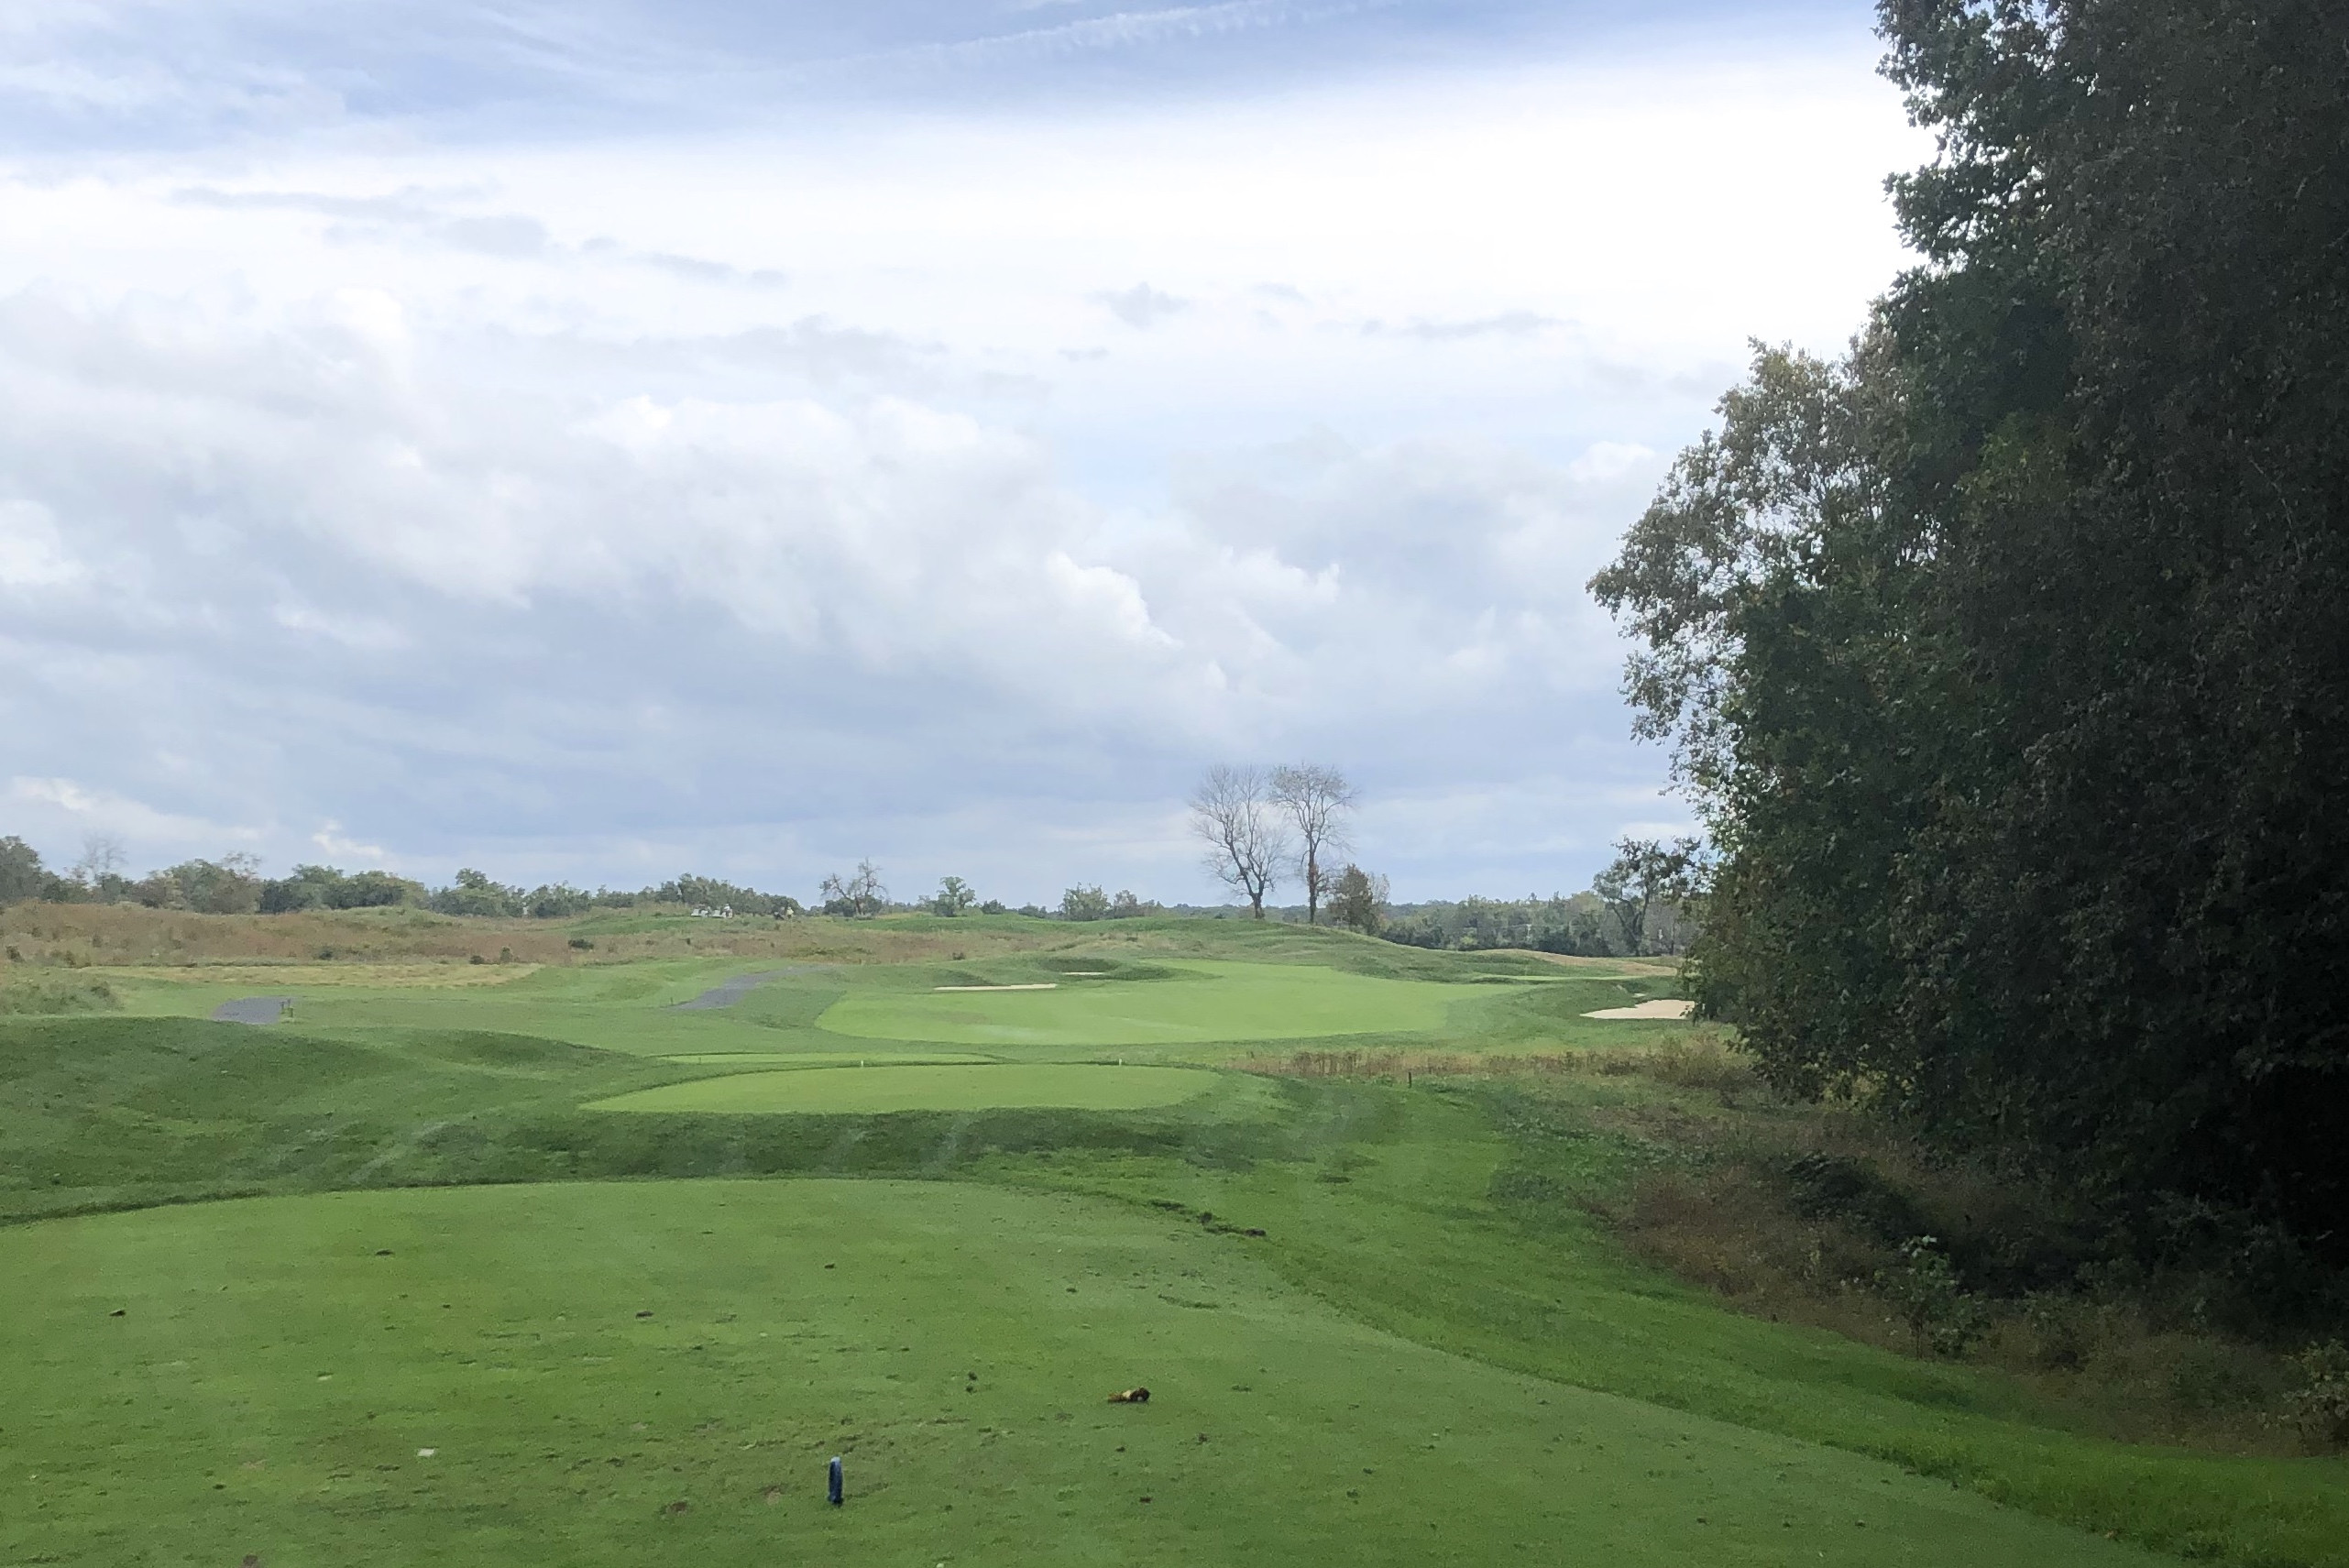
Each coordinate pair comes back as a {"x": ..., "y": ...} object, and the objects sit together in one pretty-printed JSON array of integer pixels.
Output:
[
  {"x": 252, "y": 1010},
  {"x": 739, "y": 987}
]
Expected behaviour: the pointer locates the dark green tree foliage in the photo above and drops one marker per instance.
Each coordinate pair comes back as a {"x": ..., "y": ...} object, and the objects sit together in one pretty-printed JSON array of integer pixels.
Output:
[
  {"x": 1358, "y": 899},
  {"x": 326, "y": 887},
  {"x": 1576, "y": 923},
  {"x": 708, "y": 893},
  {"x": 21, "y": 874},
  {"x": 475, "y": 892},
  {"x": 1644, "y": 873},
  {"x": 2010, "y": 657},
  {"x": 226, "y": 886}
]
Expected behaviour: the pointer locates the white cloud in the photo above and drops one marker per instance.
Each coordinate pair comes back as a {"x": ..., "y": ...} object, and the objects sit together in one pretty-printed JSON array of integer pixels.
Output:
[
  {"x": 774, "y": 501},
  {"x": 65, "y": 804},
  {"x": 329, "y": 839},
  {"x": 1142, "y": 307},
  {"x": 32, "y": 554}
]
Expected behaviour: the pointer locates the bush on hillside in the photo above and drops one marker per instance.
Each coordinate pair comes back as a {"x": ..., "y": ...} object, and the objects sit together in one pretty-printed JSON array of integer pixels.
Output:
[
  {"x": 57, "y": 996},
  {"x": 326, "y": 887},
  {"x": 226, "y": 886},
  {"x": 2320, "y": 1406}
]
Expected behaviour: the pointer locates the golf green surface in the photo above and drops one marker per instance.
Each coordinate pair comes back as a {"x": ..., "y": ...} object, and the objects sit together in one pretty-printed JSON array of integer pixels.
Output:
[
  {"x": 1194, "y": 1003},
  {"x": 873, "y": 1091},
  {"x": 815, "y": 1058},
  {"x": 640, "y": 1373}
]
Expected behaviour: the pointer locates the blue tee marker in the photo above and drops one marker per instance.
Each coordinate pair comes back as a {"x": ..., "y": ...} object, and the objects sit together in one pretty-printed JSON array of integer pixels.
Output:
[{"x": 834, "y": 1486}]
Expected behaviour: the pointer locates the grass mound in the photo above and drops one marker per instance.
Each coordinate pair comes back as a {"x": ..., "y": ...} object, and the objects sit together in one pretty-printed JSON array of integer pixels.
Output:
[
  {"x": 873, "y": 1091},
  {"x": 635, "y": 1373}
]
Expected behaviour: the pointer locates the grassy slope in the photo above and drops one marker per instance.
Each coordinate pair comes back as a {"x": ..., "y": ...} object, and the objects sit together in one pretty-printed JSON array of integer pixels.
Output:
[
  {"x": 1441, "y": 1230},
  {"x": 1372, "y": 992},
  {"x": 868, "y": 1089},
  {"x": 273, "y": 1380},
  {"x": 1184, "y": 1003}
]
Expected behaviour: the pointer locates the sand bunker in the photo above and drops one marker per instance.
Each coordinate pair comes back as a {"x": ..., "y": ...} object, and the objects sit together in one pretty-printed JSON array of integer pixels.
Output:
[
  {"x": 1034, "y": 985},
  {"x": 252, "y": 1010},
  {"x": 1647, "y": 1010}
]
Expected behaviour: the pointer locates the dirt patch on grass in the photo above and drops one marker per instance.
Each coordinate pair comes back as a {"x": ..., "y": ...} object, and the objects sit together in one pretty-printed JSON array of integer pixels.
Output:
[
  {"x": 734, "y": 990},
  {"x": 255, "y": 1010}
]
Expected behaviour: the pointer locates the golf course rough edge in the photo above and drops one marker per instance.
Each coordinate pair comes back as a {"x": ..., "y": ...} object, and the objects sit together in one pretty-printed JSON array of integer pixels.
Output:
[
  {"x": 877, "y": 1090},
  {"x": 627, "y": 1373}
]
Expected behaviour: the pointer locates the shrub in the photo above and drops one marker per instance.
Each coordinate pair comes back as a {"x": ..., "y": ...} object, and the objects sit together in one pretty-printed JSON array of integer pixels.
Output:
[
  {"x": 1923, "y": 1290},
  {"x": 2320, "y": 1406},
  {"x": 57, "y": 996}
]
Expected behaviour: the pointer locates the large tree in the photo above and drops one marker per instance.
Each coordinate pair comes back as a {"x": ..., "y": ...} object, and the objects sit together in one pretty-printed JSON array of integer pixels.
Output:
[
  {"x": 2009, "y": 657},
  {"x": 1358, "y": 898},
  {"x": 1235, "y": 813},
  {"x": 858, "y": 894},
  {"x": 1317, "y": 800},
  {"x": 21, "y": 874},
  {"x": 1644, "y": 872}
]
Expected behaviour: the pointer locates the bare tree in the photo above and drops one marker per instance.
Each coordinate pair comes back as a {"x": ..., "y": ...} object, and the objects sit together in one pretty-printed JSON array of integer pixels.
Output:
[
  {"x": 1316, "y": 800},
  {"x": 856, "y": 895},
  {"x": 1235, "y": 813},
  {"x": 101, "y": 857}
]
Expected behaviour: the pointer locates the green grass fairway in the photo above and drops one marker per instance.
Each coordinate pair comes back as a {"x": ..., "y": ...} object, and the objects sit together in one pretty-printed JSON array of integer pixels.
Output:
[
  {"x": 1198, "y": 1002},
  {"x": 823, "y": 1058},
  {"x": 1432, "y": 1350},
  {"x": 493, "y": 1390},
  {"x": 873, "y": 1091}
]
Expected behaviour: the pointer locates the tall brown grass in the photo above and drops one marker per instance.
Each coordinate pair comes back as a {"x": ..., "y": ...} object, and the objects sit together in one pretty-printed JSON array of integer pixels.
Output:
[
  {"x": 76, "y": 935},
  {"x": 1687, "y": 1061}
]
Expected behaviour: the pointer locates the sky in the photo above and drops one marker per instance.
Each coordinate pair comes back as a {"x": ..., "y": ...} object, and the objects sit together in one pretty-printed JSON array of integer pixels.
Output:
[{"x": 597, "y": 440}]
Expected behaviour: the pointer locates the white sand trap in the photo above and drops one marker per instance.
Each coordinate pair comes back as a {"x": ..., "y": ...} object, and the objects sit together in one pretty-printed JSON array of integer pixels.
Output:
[
  {"x": 1034, "y": 985},
  {"x": 1647, "y": 1010}
]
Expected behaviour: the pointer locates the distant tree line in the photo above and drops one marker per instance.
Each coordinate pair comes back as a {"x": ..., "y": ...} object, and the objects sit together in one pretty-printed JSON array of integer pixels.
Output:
[
  {"x": 2007, "y": 657},
  {"x": 1092, "y": 903},
  {"x": 1644, "y": 903},
  {"x": 233, "y": 886}
]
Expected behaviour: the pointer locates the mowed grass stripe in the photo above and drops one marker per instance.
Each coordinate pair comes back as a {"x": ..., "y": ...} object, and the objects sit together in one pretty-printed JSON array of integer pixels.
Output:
[
  {"x": 652, "y": 1373},
  {"x": 825, "y": 1058},
  {"x": 871, "y": 1090},
  {"x": 1202, "y": 1002}
]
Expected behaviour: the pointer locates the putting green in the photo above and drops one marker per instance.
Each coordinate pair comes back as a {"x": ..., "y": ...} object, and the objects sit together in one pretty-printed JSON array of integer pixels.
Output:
[
  {"x": 639, "y": 1372},
  {"x": 873, "y": 1090},
  {"x": 822, "y": 1058},
  {"x": 1202, "y": 1002}
]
